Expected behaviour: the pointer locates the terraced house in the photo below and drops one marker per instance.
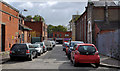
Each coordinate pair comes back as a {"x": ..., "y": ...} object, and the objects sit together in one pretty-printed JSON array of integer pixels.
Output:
[
  {"x": 12, "y": 28},
  {"x": 9, "y": 19}
]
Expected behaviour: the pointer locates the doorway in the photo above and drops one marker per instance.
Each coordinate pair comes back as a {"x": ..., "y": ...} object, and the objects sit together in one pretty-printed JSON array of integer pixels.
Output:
[{"x": 3, "y": 36}]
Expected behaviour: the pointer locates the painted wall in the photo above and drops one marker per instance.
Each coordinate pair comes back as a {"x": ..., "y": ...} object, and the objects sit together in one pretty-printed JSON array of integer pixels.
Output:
[{"x": 108, "y": 44}]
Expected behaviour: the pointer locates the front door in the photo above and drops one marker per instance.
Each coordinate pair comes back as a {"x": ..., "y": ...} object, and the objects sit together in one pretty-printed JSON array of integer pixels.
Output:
[{"x": 3, "y": 37}]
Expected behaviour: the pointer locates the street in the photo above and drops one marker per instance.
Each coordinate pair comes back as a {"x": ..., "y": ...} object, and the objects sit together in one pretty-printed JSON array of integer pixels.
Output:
[{"x": 54, "y": 59}]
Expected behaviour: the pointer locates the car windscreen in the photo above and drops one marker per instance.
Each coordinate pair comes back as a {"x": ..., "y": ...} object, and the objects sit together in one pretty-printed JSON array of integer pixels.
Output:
[
  {"x": 87, "y": 50},
  {"x": 66, "y": 44},
  {"x": 19, "y": 46},
  {"x": 75, "y": 42}
]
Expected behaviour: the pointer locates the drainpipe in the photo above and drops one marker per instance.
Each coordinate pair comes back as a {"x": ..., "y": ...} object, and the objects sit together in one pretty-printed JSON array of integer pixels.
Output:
[{"x": 106, "y": 13}]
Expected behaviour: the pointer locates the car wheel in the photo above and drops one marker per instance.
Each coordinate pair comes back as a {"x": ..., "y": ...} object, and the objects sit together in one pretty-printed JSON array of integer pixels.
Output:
[
  {"x": 36, "y": 54},
  {"x": 74, "y": 63},
  {"x": 97, "y": 65},
  {"x": 12, "y": 58},
  {"x": 30, "y": 57},
  {"x": 71, "y": 60},
  {"x": 39, "y": 53}
]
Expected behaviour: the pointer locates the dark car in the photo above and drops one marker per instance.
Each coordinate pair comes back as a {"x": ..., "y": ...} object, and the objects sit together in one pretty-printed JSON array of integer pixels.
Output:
[
  {"x": 23, "y": 51},
  {"x": 70, "y": 49}
]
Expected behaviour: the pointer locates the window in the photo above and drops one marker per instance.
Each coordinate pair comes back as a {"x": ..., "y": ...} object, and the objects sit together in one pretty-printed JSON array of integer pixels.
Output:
[
  {"x": 87, "y": 50},
  {"x": 10, "y": 18},
  {"x": 60, "y": 35},
  {"x": 66, "y": 35},
  {"x": 55, "y": 35}
]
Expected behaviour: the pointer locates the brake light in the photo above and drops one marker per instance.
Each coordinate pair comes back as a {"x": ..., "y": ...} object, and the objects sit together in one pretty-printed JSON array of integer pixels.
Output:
[
  {"x": 43, "y": 46},
  {"x": 96, "y": 53},
  {"x": 27, "y": 51}
]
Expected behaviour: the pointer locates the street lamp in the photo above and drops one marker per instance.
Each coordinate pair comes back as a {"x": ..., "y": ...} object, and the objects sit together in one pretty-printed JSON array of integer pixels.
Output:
[{"x": 20, "y": 21}]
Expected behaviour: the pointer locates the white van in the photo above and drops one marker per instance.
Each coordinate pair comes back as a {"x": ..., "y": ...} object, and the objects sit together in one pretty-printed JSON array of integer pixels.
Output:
[{"x": 48, "y": 44}]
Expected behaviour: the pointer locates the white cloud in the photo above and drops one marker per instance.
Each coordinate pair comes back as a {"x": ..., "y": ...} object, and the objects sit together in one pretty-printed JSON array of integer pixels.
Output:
[
  {"x": 26, "y": 5},
  {"x": 50, "y": 3}
]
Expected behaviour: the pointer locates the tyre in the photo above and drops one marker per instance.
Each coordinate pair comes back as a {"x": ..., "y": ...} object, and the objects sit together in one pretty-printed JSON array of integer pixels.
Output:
[
  {"x": 12, "y": 58},
  {"x": 36, "y": 54},
  {"x": 74, "y": 63},
  {"x": 30, "y": 57},
  {"x": 97, "y": 65},
  {"x": 39, "y": 54},
  {"x": 71, "y": 60}
]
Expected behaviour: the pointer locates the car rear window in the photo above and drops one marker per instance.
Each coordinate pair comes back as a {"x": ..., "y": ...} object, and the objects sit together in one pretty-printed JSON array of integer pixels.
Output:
[
  {"x": 19, "y": 46},
  {"x": 87, "y": 50}
]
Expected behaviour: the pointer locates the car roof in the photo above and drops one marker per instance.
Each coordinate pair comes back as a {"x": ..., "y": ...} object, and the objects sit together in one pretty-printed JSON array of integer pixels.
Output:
[
  {"x": 22, "y": 43},
  {"x": 85, "y": 44}
]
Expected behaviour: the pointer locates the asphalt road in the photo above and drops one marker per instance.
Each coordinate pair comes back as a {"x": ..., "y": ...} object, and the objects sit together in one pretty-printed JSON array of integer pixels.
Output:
[{"x": 54, "y": 59}]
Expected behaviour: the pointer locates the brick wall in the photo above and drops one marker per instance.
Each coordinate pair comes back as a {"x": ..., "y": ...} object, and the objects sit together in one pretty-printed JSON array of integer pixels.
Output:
[
  {"x": 62, "y": 34},
  {"x": 11, "y": 25},
  {"x": 37, "y": 28}
]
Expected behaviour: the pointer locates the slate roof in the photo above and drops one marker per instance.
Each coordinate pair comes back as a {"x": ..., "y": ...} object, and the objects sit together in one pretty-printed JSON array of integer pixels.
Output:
[
  {"x": 113, "y": 25},
  {"x": 103, "y": 3}
]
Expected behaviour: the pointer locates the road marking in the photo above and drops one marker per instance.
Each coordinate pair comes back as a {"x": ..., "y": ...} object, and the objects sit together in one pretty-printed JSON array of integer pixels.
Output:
[{"x": 58, "y": 45}]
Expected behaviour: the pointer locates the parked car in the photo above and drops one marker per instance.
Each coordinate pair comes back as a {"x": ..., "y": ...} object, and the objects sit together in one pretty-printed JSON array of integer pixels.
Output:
[
  {"x": 38, "y": 48},
  {"x": 23, "y": 50},
  {"x": 53, "y": 43},
  {"x": 85, "y": 53},
  {"x": 70, "y": 49},
  {"x": 65, "y": 44},
  {"x": 48, "y": 44},
  {"x": 43, "y": 46},
  {"x": 42, "y": 49}
]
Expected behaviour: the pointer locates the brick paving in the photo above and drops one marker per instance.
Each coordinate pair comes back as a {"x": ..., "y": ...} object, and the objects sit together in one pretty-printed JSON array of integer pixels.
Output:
[{"x": 4, "y": 56}]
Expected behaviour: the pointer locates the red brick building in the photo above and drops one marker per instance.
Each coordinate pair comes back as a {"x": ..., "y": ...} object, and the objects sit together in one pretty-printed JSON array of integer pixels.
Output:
[
  {"x": 24, "y": 31},
  {"x": 39, "y": 29},
  {"x": 8, "y": 26},
  {"x": 61, "y": 36}
]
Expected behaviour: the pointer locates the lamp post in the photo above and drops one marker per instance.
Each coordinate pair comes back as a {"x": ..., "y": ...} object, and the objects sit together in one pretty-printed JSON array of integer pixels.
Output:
[{"x": 20, "y": 22}]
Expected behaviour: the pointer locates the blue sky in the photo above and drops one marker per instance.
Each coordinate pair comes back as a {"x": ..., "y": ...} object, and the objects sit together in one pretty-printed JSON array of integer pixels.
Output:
[{"x": 54, "y": 12}]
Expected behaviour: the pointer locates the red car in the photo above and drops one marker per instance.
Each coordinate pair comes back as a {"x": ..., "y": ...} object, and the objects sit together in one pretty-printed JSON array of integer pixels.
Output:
[{"x": 85, "y": 53}]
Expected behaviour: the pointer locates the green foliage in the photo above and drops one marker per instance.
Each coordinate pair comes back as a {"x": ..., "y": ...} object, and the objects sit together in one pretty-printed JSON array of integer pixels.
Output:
[
  {"x": 58, "y": 28},
  {"x": 29, "y": 16},
  {"x": 36, "y": 17}
]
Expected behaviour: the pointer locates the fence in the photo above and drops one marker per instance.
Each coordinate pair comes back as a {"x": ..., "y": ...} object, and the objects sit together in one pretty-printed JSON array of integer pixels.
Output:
[{"x": 109, "y": 44}]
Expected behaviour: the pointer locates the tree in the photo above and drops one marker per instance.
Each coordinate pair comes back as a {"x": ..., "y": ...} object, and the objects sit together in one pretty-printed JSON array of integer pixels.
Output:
[
  {"x": 58, "y": 28},
  {"x": 37, "y": 18},
  {"x": 28, "y": 18}
]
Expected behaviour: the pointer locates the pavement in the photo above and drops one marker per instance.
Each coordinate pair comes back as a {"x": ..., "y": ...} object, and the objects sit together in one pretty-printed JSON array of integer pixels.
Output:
[
  {"x": 105, "y": 60},
  {"x": 109, "y": 62},
  {"x": 4, "y": 57}
]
